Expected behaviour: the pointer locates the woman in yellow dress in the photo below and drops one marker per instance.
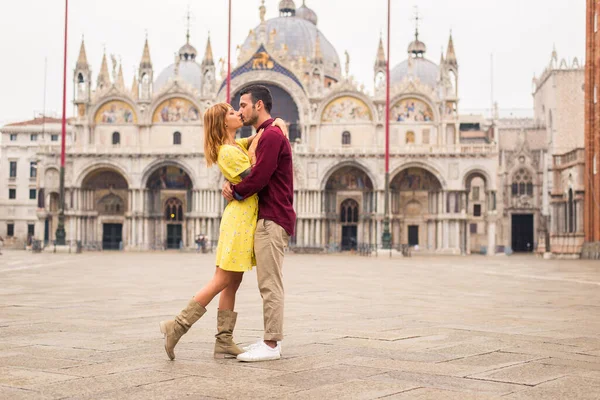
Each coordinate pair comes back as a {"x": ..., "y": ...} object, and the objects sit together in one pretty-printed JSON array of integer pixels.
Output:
[{"x": 235, "y": 251}]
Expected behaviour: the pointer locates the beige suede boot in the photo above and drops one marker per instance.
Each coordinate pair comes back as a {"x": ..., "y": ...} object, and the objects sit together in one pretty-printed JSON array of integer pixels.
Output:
[
  {"x": 175, "y": 329},
  {"x": 224, "y": 346}
]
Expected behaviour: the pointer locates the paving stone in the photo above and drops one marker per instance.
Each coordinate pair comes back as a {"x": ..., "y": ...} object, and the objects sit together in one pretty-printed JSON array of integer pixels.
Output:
[
  {"x": 19, "y": 394},
  {"x": 327, "y": 376},
  {"x": 434, "y": 368},
  {"x": 439, "y": 394},
  {"x": 29, "y": 379},
  {"x": 419, "y": 326},
  {"x": 530, "y": 373},
  {"x": 355, "y": 390},
  {"x": 572, "y": 388},
  {"x": 91, "y": 386},
  {"x": 496, "y": 360},
  {"x": 37, "y": 363},
  {"x": 451, "y": 383}
]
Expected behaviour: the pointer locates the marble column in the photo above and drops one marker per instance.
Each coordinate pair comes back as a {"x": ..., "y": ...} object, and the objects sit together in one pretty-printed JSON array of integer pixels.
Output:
[{"x": 491, "y": 238}]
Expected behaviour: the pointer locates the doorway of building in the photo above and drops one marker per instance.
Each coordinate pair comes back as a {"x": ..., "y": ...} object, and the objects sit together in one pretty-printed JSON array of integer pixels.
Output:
[
  {"x": 174, "y": 235},
  {"x": 413, "y": 235},
  {"x": 522, "y": 232},
  {"x": 112, "y": 236},
  {"x": 349, "y": 237},
  {"x": 46, "y": 231}
]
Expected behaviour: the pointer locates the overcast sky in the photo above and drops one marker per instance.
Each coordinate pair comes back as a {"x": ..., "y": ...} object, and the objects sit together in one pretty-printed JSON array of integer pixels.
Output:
[{"x": 519, "y": 33}]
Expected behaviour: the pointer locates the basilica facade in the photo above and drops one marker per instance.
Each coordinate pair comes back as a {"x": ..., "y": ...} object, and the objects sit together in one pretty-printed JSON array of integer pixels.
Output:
[{"x": 137, "y": 177}]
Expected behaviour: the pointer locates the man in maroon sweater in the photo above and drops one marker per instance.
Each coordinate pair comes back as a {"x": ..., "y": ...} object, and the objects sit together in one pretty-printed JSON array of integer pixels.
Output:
[{"x": 273, "y": 179}]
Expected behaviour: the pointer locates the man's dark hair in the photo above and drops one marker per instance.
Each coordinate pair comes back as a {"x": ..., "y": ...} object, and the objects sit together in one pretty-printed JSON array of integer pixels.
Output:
[{"x": 259, "y": 92}]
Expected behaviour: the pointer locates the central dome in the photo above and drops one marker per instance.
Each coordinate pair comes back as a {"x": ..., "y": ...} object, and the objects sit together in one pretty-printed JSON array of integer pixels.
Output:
[
  {"x": 417, "y": 66},
  {"x": 427, "y": 71},
  {"x": 299, "y": 36}
]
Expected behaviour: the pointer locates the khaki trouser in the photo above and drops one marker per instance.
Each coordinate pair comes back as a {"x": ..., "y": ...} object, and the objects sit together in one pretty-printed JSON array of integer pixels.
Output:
[{"x": 270, "y": 240}]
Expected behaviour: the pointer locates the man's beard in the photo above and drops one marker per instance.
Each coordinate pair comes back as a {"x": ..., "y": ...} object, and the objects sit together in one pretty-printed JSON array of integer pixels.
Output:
[{"x": 253, "y": 118}]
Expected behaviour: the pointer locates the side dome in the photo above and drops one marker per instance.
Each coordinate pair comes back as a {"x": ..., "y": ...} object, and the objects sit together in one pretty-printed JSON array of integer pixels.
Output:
[{"x": 307, "y": 14}]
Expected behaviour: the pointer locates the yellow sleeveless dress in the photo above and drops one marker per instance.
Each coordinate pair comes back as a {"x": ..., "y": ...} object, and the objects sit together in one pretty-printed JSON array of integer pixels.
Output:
[{"x": 235, "y": 250}]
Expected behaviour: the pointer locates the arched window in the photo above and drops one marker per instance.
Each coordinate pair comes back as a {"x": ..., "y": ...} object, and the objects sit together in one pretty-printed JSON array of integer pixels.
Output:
[
  {"x": 522, "y": 183},
  {"x": 116, "y": 138},
  {"x": 410, "y": 137},
  {"x": 346, "y": 138},
  {"x": 571, "y": 212},
  {"x": 174, "y": 210},
  {"x": 349, "y": 212},
  {"x": 177, "y": 138},
  {"x": 111, "y": 204}
]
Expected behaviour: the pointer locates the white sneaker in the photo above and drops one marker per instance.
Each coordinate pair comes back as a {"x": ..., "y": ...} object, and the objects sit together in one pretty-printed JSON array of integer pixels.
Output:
[
  {"x": 261, "y": 352},
  {"x": 251, "y": 346},
  {"x": 256, "y": 344}
]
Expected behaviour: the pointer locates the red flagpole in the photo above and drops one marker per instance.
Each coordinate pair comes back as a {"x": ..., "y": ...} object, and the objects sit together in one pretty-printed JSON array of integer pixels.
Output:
[
  {"x": 60, "y": 229},
  {"x": 64, "y": 104},
  {"x": 387, "y": 96},
  {"x": 229, "y": 57},
  {"x": 386, "y": 237}
]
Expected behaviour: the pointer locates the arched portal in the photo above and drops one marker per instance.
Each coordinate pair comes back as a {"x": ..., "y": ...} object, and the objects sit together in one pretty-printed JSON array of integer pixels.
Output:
[
  {"x": 169, "y": 189},
  {"x": 479, "y": 200},
  {"x": 349, "y": 204},
  {"x": 104, "y": 198},
  {"x": 349, "y": 217},
  {"x": 415, "y": 200},
  {"x": 283, "y": 107}
]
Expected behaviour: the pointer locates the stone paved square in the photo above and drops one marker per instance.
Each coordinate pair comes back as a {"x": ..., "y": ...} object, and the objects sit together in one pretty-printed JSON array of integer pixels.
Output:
[{"x": 519, "y": 327}]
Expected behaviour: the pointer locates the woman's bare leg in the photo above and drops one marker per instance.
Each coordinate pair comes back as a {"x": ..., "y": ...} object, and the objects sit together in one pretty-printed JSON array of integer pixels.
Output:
[
  {"x": 227, "y": 297},
  {"x": 220, "y": 281}
]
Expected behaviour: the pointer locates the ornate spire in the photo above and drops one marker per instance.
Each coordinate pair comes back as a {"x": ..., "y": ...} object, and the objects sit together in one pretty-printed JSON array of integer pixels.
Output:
[
  {"x": 104, "y": 76},
  {"x": 146, "y": 61},
  {"x": 208, "y": 54},
  {"x": 380, "y": 61},
  {"x": 135, "y": 87},
  {"x": 442, "y": 61},
  {"x": 318, "y": 57},
  {"x": 120, "y": 79},
  {"x": 417, "y": 48},
  {"x": 450, "y": 54},
  {"x": 82, "y": 62},
  {"x": 262, "y": 10},
  {"x": 187, "y": 35}
]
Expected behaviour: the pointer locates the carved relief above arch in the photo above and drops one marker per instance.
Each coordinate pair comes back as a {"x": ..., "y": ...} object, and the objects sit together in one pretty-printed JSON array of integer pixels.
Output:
[
  {"x": 176, "y": 110},
  {"x": 115, "y": 112},
  {"x": 337, "y": 166},
  {"x": 412, "y": 109},
  {"x": 345, "y": 109}
]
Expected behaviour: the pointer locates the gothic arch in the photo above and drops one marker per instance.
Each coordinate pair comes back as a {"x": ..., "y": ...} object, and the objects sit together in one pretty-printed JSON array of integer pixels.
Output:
[
  {"x": 417, "y": 164},
  {"x": 477, "y": 171},
  {"x": 336, "y": 166},
  {"x": 270, "y": 78},
  {"x": 108, "y": 165},
  {"x": 150, "y": 168}
]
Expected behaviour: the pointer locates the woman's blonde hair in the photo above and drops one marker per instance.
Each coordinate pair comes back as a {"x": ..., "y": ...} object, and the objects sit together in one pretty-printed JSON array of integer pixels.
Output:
[{"x": 215, "y": 133}]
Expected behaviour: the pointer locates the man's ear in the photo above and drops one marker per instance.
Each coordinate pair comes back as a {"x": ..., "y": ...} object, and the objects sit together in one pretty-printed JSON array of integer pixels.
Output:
[{"x": 259, "y": 105}]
